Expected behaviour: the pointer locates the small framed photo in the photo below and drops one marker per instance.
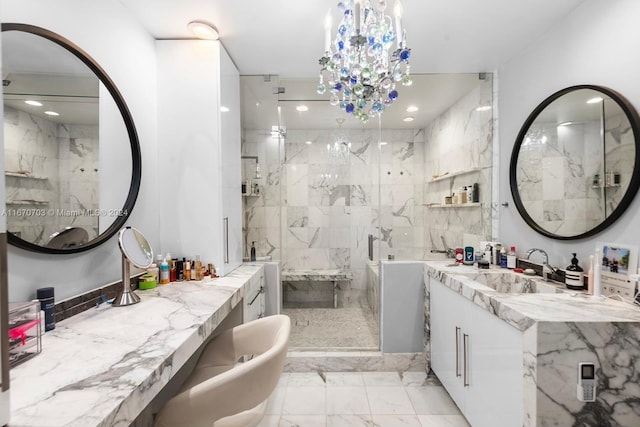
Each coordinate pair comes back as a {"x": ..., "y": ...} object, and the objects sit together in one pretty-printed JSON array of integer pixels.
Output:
[{"x": 617, "y": 262}]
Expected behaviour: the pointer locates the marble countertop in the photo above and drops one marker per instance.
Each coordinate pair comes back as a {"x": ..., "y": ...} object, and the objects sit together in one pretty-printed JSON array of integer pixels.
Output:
[
  {"x": 103, "y": 366},
  {"x": 523, "y": 310}
]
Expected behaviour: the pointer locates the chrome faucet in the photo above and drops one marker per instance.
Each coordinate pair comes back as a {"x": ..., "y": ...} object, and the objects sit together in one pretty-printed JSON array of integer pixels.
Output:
[
  {"x": 546, "y": 267},
  {"x": 451, "y": 253}
]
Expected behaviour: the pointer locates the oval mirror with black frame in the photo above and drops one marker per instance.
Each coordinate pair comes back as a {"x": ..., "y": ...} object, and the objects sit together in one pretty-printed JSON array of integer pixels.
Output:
[
  {"x": 72, "y": 155},
  {"x": 575, "y": 166}
]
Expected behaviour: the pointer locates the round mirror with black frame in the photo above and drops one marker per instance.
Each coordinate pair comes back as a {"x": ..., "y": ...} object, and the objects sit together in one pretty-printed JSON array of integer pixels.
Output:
[
  {"x": 72, "y": 156},
  {"x": 575, "y": 165}
]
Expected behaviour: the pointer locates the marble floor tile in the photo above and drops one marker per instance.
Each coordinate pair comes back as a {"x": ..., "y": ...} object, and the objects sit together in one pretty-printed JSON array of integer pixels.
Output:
[
  {"x": 443, "y": 421},
  {"x": 349, "y": 421},
  {"x": 381, "y": 379},
  {"x": 344, "y": 379},
  {"x": 432, "y": 400},
  {"x": 396, "y": 421},
  {"x": 414, "y": 379},
  {"x": 276, "y": 400},
  {"x": 311, "y": 379},
  {"x": 389, "y": 400},
  {"x": 303, "y": 421},
  {"x": 347, "y": 400},
  {"x": 305, "y": 401},
  {"x": 269, "y": 421}
]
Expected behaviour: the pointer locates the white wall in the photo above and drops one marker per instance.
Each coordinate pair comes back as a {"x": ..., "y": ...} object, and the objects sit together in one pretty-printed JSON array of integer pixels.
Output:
[
  {"x": 596, "y": 44},
  {"x": 106, "y": 31}
]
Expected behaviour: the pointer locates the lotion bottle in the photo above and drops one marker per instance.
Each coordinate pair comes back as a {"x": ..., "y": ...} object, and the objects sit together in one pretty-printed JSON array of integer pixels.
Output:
[
  {"x": 164, "y": 272},
  {"x": 590, "y": 276},
  {"x": 597, "y": 286}
]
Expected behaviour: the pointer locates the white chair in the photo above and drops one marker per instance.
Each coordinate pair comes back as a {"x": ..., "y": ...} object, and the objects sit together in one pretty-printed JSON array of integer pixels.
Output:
[{"x": 221, "y": 392}]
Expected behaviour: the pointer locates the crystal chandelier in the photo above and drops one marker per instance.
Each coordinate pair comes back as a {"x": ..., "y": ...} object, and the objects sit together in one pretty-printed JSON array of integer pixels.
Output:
[{"x": 367, "y": 58}]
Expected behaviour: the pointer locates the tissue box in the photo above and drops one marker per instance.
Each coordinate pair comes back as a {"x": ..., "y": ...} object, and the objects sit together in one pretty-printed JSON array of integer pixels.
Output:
[{"x": 25, "y": 331}]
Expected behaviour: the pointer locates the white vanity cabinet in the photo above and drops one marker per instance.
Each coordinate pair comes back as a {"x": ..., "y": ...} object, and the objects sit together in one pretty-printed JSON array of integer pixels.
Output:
[
  {"x": 199, "y": 152},
  {"x": 477, "y": 357},
  {"x": 254, "y": 297}
]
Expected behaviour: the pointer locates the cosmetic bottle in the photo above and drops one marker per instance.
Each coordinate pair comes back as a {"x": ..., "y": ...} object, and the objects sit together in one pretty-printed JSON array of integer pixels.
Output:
[
  {"x": 173, "y": 270},
  {"x": 503, "y": 257},
  {"x": 154, "y": 271},
  {"x": 199, "y": 272},
  {"x": 164, "y": 272},
  {"x": 573, "y": 275},
  {"x": 463, "y": 194},
  {"x": 253, "y": 251},
  {"x": 187, "y": 270},
  {"x": 590, "y": 276},
  {"x": 180, "y": 270},
  {"x": 511, "y": 258},
  {"x": 48, "y": 305},
  {"x": 469, "y": 193},
  {"x": 193, "y": 270},
  {"x": 476, "y": 193},
  {"x": 597, "y": 287}
]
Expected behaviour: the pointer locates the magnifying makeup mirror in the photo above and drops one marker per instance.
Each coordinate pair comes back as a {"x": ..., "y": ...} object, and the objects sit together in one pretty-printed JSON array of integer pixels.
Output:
[{"x": 135, "y": 250}]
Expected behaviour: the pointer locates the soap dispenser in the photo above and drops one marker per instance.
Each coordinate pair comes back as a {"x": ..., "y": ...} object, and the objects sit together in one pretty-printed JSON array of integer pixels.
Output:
[
  {"x": 253, "y": 251},
  {"x": 573, "y": 276}
]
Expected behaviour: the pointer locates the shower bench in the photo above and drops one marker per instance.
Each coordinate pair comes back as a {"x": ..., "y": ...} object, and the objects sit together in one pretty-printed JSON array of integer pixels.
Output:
[{"x": 330, "y": 275}]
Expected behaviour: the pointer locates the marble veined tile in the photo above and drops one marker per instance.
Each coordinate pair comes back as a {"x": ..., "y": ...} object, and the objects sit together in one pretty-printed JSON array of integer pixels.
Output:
[
  {"x": 414, "y": 379},
  {"x": 388, "y": 400},
  {"x": 305, "y": 401},
  {"x": 311, "y": 379},
  {"x": 342, "y": 420},
  {"x": 432, "y": 400},
  {"x": 443, "y": 421},
  {"x": 303, "y": 421},
  {"x": 381, "y": 379},
  {"x": 396, "y": 421},
  {"x": 344, "y": 379},
  {"x": 347, "y": 400}
]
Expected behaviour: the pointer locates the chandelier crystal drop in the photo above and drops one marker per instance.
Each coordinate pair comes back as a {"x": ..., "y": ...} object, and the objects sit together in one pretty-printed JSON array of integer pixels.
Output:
[{"x": 367, "y": 58}]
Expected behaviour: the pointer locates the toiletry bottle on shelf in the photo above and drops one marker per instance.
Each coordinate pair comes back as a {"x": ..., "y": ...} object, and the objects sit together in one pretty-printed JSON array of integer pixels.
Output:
[
  {"x": 199, "y": 273},
  {"x": 573, "y": 276},
  {"x": 463, "y": 194},
  {"x": 511, "y": 258},
  {"x": 154, "y": 271},
  {"x": 503, "y": 257},
  {"x": 171, "y": 266},
  {"x": 469, "y": 193},
  {"x": 488, "y": 252},
  {"x": 496, "y": 253},
  {"x": 590, "y": 276},
  {"x": 476, "y": 193},
  {"x": 193, "y": 270},
  {"x": 187, "y": 270},
  {"x": 253, "y": 251},
  {"x": 597, "y": 287},
  {"x": 164, "y": 272}
]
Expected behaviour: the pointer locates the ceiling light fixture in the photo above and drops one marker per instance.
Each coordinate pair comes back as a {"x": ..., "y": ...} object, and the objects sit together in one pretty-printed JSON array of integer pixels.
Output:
[
  {"x": 224, "y": 109},
  {"x": 483, "y": 108},
  {"x": 302, "y": 108},
  {"x": 203, "y": 30},
  {"x": 408, "y": 119},
  {"x": 51, "y": 113},
  {"x": 34, "y": 103},
  {"x": 361, "y": 64},
  {"x": 595, "y": 100},
  {"x": 411, "y": 109}
]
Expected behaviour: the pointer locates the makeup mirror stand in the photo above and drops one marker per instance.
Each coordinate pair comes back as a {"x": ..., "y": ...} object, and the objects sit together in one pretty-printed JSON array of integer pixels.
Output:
[{"x": 126, "y": 296}]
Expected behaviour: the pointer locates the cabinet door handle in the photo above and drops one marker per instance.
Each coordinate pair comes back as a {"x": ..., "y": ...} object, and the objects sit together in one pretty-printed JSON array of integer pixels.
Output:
[
  {"x": 457, "y": 352},
  {"x": 261, "y": 290},
  {"x": 465, "y": 340},
  {"x": 226, "y": 240}
]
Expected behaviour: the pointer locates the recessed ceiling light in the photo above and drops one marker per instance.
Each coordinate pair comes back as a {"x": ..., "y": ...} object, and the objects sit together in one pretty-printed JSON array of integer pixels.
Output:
[
  {"x": 308, "y": 142},
  {"x": 203, "y": 30},
  {"x": 565, "y": 124},
  {"x": 484, "y": 108},
  {"x": 51, "y": 113},
  {"x": 383, "y": 143},
  {"x": 302, "y": 108},
  {"x": 595, "y": 100},
  {"x": 34, "y": 103},
  {"x": 411, "y": 109},
  {"x": 408, "y": 119},
  {"x": 224, "y": 109}
]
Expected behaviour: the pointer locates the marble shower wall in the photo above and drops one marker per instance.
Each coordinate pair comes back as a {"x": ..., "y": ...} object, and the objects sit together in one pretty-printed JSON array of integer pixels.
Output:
[
  {"x": 459, "y": 143},
  {"x": 328, "y": 204},
  {"x": 59, "y": 168}
]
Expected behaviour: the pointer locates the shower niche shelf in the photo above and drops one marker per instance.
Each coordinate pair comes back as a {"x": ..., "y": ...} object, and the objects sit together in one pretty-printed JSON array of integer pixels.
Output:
[
  {"x": 452, "y": 206},
  {"x": 448, "y": 175}
]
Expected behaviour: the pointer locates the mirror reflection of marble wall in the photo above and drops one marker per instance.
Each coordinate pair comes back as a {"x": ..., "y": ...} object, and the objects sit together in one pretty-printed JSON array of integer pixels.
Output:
[
  {"x": 562, "y": 171},
  {"x": 51, "y": 169}
]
